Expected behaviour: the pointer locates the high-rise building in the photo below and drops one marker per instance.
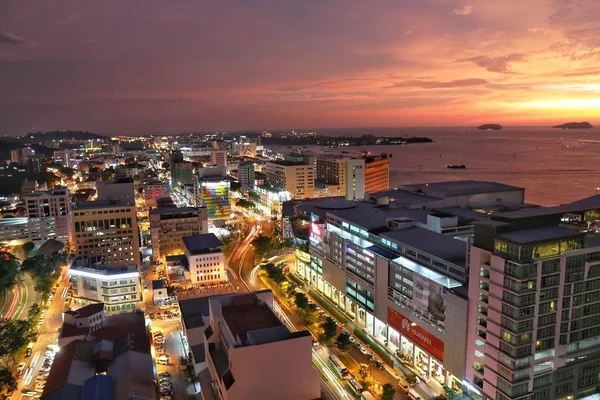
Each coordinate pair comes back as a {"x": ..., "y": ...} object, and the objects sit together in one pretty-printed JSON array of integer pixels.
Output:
[
  {"x": 211, "y": 189},
  {"x": 108, "y": 231},
  {"x": 120, "y": 190},
  {"x": 22, "y": 155},
  {"x": 169, "y": 225},
  {"x": 246, "y": 175},
  {"x": 252, "y": 355},
  {"x": 63, "y": 157},
  {"x": 377, "y": 174},
  {"x": 534, "y": 303},
  {"x": 205, "y": 258},
  {"x": 154, "y": 189},
  {"x": 218, "y": 158},
  {"x": 49, "y": 215},
  {"x": 244, "y": 149},
  {"x": 295, "y": 178}
]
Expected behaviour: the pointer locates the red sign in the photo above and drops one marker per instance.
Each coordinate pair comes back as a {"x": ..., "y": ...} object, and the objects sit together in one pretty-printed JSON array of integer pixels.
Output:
[
  {"x": 418, "y": 335},
  {"x": 316, "y": 230}
]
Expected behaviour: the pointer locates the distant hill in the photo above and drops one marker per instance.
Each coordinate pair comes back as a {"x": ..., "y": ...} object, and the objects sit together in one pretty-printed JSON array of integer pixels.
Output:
[
  {"x": 65, "y": 135},
  {"x": 574, "y": 125},
  {"x": 8, "y": 144},
  {"x": 487, "y": 127}
]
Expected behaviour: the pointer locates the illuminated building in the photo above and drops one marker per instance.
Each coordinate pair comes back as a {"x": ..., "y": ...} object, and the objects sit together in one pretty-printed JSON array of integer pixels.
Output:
[
  {"x": 246, "y": 175},
  {"x": 205, "y": 258},
  {"x": 120, "y": 190},
  {"x": 400, "y": 273},
  {"x": 271, "y": 199},
  {"x": 169, "y": 225},
  {"x": 63, "y": 157},
  {"x": 211, "y": 188},
  {"x": 116, "y": 286},
  {"x": 155, "y": 189},
  {"x": 218, "y": 158},
  {"x": 295, "y": 178},
  {"x": 107, "y": 230},
  {"x": 49, "y": 215},
  {"x": 252, "y": 355},
  {"x": 534, "y": 311},
  {"x": 20, "y": 156},
  {"x": 14, "y": 231}
]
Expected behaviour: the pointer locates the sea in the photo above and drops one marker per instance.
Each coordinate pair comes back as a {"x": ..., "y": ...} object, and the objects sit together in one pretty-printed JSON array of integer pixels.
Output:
[{"x": 555, "y": 166}]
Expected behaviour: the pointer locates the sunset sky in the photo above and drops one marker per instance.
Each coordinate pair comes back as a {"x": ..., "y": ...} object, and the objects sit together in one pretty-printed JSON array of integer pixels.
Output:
[{"x": 166, "y": 65}]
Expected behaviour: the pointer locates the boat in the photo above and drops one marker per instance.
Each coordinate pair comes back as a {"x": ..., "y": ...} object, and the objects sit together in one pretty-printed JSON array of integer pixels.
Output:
[{"x": 456, "y": 166}]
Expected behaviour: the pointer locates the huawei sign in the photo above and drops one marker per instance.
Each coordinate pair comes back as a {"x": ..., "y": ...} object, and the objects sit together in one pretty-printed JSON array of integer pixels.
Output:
[{"x": 418, "y": 335}]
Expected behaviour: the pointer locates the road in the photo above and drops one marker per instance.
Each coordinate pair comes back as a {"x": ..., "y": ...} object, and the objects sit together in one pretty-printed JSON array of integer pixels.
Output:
[{"x": 18, "y": 299}]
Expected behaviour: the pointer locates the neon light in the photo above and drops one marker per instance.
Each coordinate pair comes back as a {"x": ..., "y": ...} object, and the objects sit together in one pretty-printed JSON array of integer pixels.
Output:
[
  {"x": 103, "y": 276},
  {"x": 316, "y": 229}
]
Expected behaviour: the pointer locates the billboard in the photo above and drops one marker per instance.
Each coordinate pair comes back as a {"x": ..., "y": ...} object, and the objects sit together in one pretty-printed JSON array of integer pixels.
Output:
[
  {"x": 416, "y": 334},
  {"x": 216, "y": 197},
  {"x": 429, "y": 297}
]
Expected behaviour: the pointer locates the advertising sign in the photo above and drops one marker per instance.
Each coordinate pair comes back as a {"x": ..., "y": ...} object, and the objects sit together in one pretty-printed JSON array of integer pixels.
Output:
[{"x": 416, "y": 334}]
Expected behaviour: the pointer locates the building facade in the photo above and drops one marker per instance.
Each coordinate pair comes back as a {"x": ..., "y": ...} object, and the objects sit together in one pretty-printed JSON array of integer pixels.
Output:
[
  {"x": 246, "y": 175},
  {"x": 211, "y": 189},
  {"x": 155, "y": 189},
  {"x": 106, "y": 230},
  {"x": 63, "y": 157},
  {"x": 169, "y": 225},
  {"x": 218, "y": 158},
  {"x": 205, "y": 258},
  {"x": 297, "y": 179},
  {"x": 49, "y": 215},
  {"x": 121, "y": 190}
]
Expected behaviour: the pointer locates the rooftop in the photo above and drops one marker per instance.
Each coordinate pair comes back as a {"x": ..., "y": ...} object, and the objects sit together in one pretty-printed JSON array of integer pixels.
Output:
[
  {"x": 87, "y": 311},
  {"x": 246, "y": 314},
  {"x": 170, "y": 210},
  {"x": 589, "y": 203},
  {"x": 116, "y": 325},
  {"x": 205, "y": 243},
  {"x": 443, "y": 247},
  {"x": 458, "y": 188},
  {"x": 193, "y": 311},
  {"x": 159, "y": 284},
  {"x": 287, "y": 163},
  {"x": 84, "y": 205},
  {"x": 539, "y": 235}
]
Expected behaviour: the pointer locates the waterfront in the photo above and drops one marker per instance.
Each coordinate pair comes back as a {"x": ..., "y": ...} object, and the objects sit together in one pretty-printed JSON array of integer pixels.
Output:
[{"x": 537, "y": 159}]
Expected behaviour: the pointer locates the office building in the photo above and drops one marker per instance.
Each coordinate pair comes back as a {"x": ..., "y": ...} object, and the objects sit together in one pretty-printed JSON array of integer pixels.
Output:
[
  {"x": 49, "y": 215},
  {"x": 20, "y": 156},
  {"x": 108, "y": 230},
  {"x": 169, "y": 225},
  {"x": 205, "y": 258},
  {"x": 244, "y": 149},
  {"x": 154, "y": 189},
  {"x": 534, "y": 311},
  {"x": 252, "y": 355},
  {"x": 377, "y": 174},
  {"x": 295, "y": 178},
  {"x": 246, "y": 175},
  {"x": 218, "y": 158},
  {"x": 30, "y": 187},
  {"x": 118, "y": 287},
  {"x": 400, "y": 270},
  {"x": 271, "y": 199},
  {"x": 211, "y": 189},
  {"x": 102, "y": 357},
  {"x": 181, "y": 171},
  {"x": 63, "y": 157},
  {"x": 119, "y": 190}
]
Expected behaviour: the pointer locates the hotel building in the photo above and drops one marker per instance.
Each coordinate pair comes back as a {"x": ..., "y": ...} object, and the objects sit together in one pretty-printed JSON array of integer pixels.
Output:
[
  {"x": 49, "y": 215},
  {"x": 205, "y": 258},
  {"x": 251, "y": 355},
  {"x": 293, "y": 177},
  {"x": 534, "y": 304},
  {"x": 169, "y": 225},
  {"x": 107, "y": 230},
  {"x": 401, "y": 273},
  {"x": 246, "y": 174}
]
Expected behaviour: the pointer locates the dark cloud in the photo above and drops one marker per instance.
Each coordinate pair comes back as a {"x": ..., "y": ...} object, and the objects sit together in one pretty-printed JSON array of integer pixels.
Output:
[
  {"x": 10, "y": 38},
  {"x": 458, "y": 83},
  {"x": 496, "y": 64}
]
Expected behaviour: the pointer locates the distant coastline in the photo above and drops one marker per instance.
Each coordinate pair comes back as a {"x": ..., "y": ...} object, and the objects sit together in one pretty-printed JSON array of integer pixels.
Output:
[
  {"x": 322, "y": 140},
  {"x": 574, "y": 125},
  {"x": 490, "y": 127}
]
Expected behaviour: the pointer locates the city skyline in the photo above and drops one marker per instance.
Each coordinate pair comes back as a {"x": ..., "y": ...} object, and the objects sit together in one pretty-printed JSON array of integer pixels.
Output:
[{"x": 155, "y": 66}]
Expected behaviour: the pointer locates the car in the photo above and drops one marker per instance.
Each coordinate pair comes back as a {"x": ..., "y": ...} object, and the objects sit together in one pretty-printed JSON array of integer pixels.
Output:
[
  {"x": 352, "y": 339},
  {"x": 370, "y": 356},
  {"x": 28, "y": 352},
  {"x": 157, "y": 334},
  {"x": 166, "y": 393},
  {"x": 165, "y": 374},
  {"x": 379, "y": 364},
  {"x": 49, "y": 353},
  {"x": 159, "y": 341},
  {"x": 166, "y": 398},
  {"x": 362, "y": 349}
]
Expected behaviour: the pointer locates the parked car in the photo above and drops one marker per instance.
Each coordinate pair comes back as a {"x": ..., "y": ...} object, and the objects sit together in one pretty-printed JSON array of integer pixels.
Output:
[
  {"x": 28, "y": 352},
  {"x": 379, "y": 364}
]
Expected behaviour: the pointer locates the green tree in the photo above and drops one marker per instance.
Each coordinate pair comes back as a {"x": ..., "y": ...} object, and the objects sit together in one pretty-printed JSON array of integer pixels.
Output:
[
  {"x": 311, "y": 313},
  {"x": 364, "y": 371},
  {"x": 33, "y": 311},
  {"x": 44, "y": 269},
  {"x": 262, "y": 244},
  {"x": 343, "y": 341},
  {"x": 274, "y": 273},
  {"x": 329, "y": 330},
  {"x": 28, "y": 249},
  {"x": 8, "y": 383},
  {"x": 301, "y": 301},
  {"x": 388, "y": 392},
  {"x": 246, "y": 204},
  {"x": 9, "y": 268},
  {"x": 14, "y": 334}
]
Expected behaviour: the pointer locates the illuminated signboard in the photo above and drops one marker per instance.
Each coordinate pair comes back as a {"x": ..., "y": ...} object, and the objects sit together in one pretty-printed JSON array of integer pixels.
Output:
[
  {"x": 316, "y": 230},
  {"x": 418, "y": 335}
]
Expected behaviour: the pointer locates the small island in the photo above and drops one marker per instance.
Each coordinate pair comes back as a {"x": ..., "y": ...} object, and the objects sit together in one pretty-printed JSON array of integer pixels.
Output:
[
  {"x": 286, "y": 139},
  {"x": 490, "y": 127},
  {"x": 574, "y": 125}
]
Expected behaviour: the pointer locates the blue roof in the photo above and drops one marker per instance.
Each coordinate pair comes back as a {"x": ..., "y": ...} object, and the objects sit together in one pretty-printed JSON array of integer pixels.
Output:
[
  {"x": 201, "y": 243},
  {"x": 98, "y": 387},
  {"x": 181, "y": 258}
]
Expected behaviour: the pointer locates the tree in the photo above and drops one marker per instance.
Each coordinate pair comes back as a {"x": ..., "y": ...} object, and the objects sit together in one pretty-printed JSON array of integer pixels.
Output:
[
  {"x": 14, "y": 334},
  {"x": 364, "y": 371},
  {"x": 311, "y": 313},
  {"x": 246, "y": 204},
  {"x": 301, "y": 301},
  {"x": 8, "y": 383},
  {"x": 166, "y": 165},
  {"x": 388, "y": 392},
  {"x": 9, "y": 268},
  {"x": 329, "y": 330},
  {"x": 262, "y": 244},
  {"x": 343, "y": 341},
  {"x": 274, "y": 273},
  {"x": 44, "y": 269},
  {"x": 33, "y": 311},
  {"x": 28, "y": 248}
]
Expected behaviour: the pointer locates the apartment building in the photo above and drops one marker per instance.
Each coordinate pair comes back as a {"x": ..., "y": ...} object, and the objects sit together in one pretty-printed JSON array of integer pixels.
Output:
[
  {"x": 295, "y": 178},
  {"x": 118, "y": 287},
  {"x": 251, "y": 355},
  {"x": 400, "y": 273},
  {"x": 154, "y": 189},
  {"x": 49, "y": 215},
  {"x": 108, "y": 230},
  {"x": 169, "y": 225},
  {"x": 121, "y": 190},
  {"x": 205, "y": 258},
  {"x": 63, "y": 157},
  {"x": 377, "y": 174},
  {"x": 534, "y": 325},
  {"x": 246, "y": 174},
  {"x": 218, "y": 158}
]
